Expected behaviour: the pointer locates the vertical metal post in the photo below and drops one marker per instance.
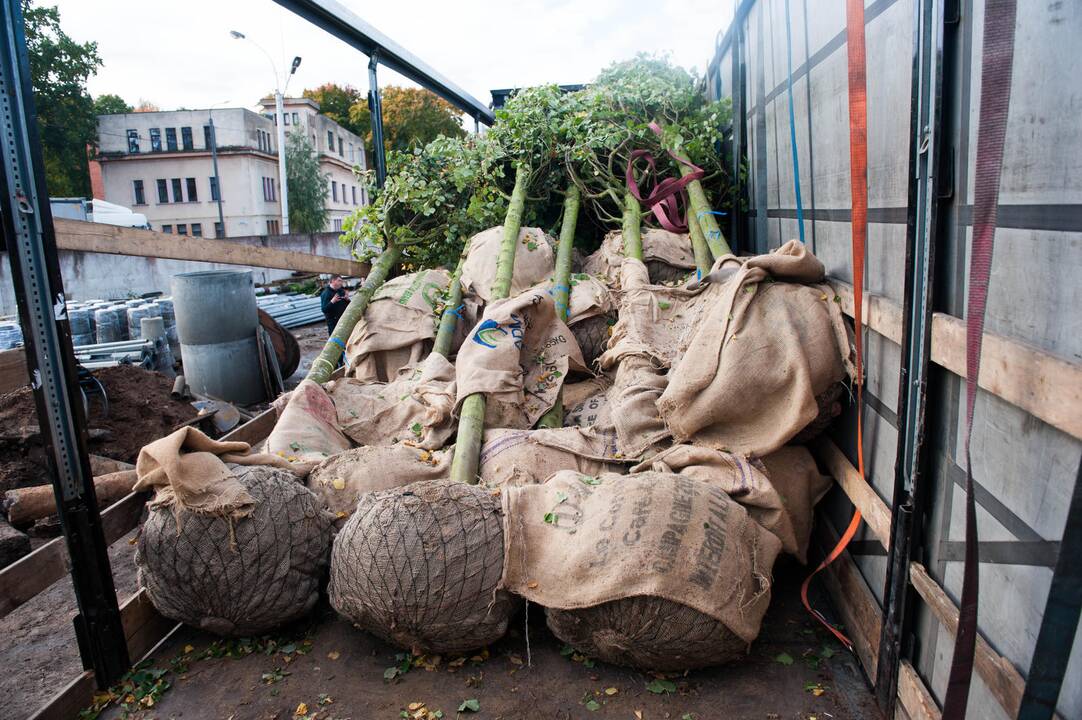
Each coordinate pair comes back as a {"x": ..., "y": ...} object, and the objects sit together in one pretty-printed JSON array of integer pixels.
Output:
[
  {"x": 282, "y": 178},
  {"x": 35, "y": 271},
  {"x": 740, "y": 133},
  {"x": 476, "y": 126},
  {"x": 217, "y": 177},
  {"x": 929, "y": 146},
  {"x": 375, "y": 108}
]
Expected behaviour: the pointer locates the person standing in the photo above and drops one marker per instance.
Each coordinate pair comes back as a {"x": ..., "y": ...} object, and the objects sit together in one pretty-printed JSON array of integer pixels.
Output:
[{"x": 333, "y": 301}]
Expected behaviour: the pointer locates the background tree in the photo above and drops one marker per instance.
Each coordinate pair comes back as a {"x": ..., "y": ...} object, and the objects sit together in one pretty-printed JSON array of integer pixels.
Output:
[
  {"x": 109, "y": 104},
  {"x": 59, "y": 68},
  {"x": 145, "y": 105},
  {"x": 412, "y": 117},
  {"x": 335, "y": 101},
  {"x": 307, "y": 185}
]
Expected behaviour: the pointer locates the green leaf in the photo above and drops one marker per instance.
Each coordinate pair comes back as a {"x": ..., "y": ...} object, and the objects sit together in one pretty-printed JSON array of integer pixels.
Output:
[
  {"x": 664, "y": 305},
  {"x": 561, "y": 496},
  {"x": 471, "y": 705},
  {"x": 826, "y": 653},
  {"x": 588, "y": 480},
  {"x": 416, "y": 429},
  {"x": 567, "y": 651},
  {"x": 390, "y": 673},
  {"x": 593, "y": 705},
  {"x": 550, "y": 518},
  {"x": 784, "y": 659},
  {"x": 661, "y": 687}
]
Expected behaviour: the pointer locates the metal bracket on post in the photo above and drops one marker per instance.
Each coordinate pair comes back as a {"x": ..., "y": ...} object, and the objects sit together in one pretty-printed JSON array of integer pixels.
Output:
[
  {"x": 928, "y": 155},
  {"x": 375, "y": 107},
  {"x": 35, "y": 271}
]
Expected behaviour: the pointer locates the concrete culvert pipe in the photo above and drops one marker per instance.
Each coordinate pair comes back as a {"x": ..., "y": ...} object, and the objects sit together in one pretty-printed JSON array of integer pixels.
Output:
[{"x": 216, "y": 320}]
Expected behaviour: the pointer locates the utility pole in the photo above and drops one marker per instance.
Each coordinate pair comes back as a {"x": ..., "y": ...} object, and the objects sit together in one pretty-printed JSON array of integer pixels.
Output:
[
  {"x": 217, "y": 178},
  {"x": 279, "y": 119}
]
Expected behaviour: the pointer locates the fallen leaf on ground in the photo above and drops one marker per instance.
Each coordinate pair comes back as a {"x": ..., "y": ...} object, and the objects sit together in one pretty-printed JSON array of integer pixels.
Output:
[{"x": 471, "y": 705}]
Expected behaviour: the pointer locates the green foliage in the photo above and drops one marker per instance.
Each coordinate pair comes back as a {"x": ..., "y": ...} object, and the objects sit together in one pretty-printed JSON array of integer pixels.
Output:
[
  {"x": 109, "y": 104},
  {"x": 307, "y": 185},
  {"x": 59, "y": 68},
  {"x": 434, "y": 199},
  {"x": 412, "y": 118},
  {"x": 336, "y": 102}
]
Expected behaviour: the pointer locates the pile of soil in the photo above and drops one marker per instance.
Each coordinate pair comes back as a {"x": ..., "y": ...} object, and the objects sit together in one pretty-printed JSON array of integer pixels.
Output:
[{"x": 140, "y": 410}]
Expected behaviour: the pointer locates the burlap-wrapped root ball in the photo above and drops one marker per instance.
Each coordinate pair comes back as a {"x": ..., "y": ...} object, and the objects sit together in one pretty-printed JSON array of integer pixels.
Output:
[
  {"x": 647, "y": 632},
  {"x": 592, "y": 335},
  {"x": 419, "y": 566},
  {"x": 242, "y": 575}
]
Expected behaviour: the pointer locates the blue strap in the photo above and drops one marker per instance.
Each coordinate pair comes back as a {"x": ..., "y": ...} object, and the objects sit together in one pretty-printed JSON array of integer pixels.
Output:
[
  {"x": 457, "y": 312},
  {"x": 792, "y": 122}
]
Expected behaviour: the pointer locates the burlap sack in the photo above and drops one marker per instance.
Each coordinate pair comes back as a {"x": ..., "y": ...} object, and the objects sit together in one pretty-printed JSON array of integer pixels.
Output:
[
  {"x": 238, "y": 576},
  {"x": 779, "y": 491},
  {"x": 584, "y": 401},
  {"x": 417, "y": 406},
  {"x": 759, "y": 356},
  {"x": 669, "y": 255},
  {"x": 580, "y": 542},
  {"x": 340, "y": 481},
  {"x": 398, "y": 326},
  {"x": 307, "y": 431},
  {"x": 187, "y": 470},
  {"x": 420, "y": 567},
  {"x": 519, "y": 356},
  {"x": 511, "y": 458},
  {"x": 534, "y": 260}
]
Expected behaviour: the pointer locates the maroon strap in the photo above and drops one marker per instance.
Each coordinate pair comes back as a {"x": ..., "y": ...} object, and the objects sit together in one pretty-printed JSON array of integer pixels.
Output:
[
  {"x": 667, "y": 199},
  {"x": 998, "y": 62}
]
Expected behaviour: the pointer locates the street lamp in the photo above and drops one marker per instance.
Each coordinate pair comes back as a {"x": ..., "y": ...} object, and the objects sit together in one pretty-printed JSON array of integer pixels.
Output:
[
  {"x": 280, "y": 121},
  {"x": 220, "y": 233}
]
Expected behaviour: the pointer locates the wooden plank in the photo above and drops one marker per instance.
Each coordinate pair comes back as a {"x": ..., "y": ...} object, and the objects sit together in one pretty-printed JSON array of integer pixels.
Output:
[
  {"x": 255, "y": 430},
  {"x": 1003, "y": 680},
  {"x": 916, "y": 701},
  {"x": 115, "y": 240},
  {"x": 875, "y": 511},
  {"x": 67, "y": 703},
  {"x": 1044, "y": 385},
  {"x": 28, "y": 576},
  {"x": 144, "y": 626},
  {"x": 854, "y": 601},
  {"x": 12, "y": 370}
]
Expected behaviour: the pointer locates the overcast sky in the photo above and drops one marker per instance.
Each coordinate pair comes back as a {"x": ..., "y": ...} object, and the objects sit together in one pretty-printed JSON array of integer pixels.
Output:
[{"x": 180, "y": 54}]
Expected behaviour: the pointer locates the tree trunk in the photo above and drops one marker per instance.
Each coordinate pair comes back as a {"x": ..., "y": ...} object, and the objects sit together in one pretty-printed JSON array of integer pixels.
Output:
[
  {"x": 449, "y": 320},
  {"x": 24, "y": 506},
  {"x": 632, "y": 227},
  {"x": 324, "y": 365},
  {"x": 700, "y": 208},
  {"x": 471, "y": 420}
]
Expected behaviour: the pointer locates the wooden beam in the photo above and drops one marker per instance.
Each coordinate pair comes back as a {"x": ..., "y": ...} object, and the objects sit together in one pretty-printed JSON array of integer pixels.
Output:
[
  {"x": 916, "y": 701},
  {"x": 1044, "y": 385},
  {"x": 115, "y": 240},
  {"x": 12, "y": 370},
  {"x": 854, "y": 601},
  {"x": 863, "y": 496},
  {"x": 67, "y": 703},
  {"x": 144, "y": 626}
]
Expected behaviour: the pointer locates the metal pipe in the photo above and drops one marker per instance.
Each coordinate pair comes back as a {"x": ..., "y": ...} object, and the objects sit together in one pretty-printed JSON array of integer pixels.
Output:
[
  {"x": 376, "y": 113},
  {"x": 217, "y": 177}
]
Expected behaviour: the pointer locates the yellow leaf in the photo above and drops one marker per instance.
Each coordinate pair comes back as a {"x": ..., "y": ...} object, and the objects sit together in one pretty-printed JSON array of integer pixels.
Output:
[
  {"x": 302, "y": 709},
  {"x": 532, "y": 584},
  {"x": 515, "y": 659},
  {"x": 188, "y": 649},
  {"x": 414, "y": 707},
  {"x": 333, "y": 655},
  {"x": 611, "y": 691},
  {"x": 341, "y": 514},
  {"x": 638, "y": 714},
  {"x": 817, "y": 691},
  {"x": 339, "y": 484}
]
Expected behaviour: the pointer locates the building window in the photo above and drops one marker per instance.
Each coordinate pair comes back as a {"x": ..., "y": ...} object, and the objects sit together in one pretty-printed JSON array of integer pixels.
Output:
[
  {"x": 167, "y": 229},
  {"x": 163, "y": 191},
  {"x": 182, "y": 229},
  {"x": 197, "y": 229},
  {"x": 214, "y": 189},
  {"x": 338, "y": 224},
  {"x": 170, "y": 138},
  {"x": 193, "y": 194},
  {"x": 354, "y": 189},
  {"x": 296, "y": 120},
  {"x": 351, "y": 152},
  {"x": 219, "y": 230},
  {"x": 269, "y": 190},
  {"x": 285, "y": 118},
  {"x": 178, "y": 195},
  {"x": 186, "y": 138},
  {"x": 140, "y": 196},
  {"x": 155, "y": 140},
  {"x": 334, "y": 191},
  {"x": 133, "y": 141},
  {"x": 272, "y": 227},
  {"x": 341, "y": 148},
  {"x": 330, "y": 142},
  {"x": 206, "y": 137}
]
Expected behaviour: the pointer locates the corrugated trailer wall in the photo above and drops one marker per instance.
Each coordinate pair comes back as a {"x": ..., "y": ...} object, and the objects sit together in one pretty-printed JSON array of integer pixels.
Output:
[{"x": 1025, "y": 468}]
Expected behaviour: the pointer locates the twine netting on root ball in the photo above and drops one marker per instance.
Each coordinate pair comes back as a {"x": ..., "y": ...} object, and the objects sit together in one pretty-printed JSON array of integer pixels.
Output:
[
  {"x": 238, "y": 576},
  {"x": 647, "y": 632},
  {"x": 419, "y": 566}
]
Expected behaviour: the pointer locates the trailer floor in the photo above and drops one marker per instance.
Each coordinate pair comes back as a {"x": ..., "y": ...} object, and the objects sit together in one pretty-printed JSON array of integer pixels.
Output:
[{"x": 336, "y": 671}]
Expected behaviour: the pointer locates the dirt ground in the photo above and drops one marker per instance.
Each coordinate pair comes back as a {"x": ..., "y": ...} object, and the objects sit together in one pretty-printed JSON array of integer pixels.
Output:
[
  {"x": 335, "y": 671},
  {"x": 140, "y": 410},
  {"x": 311, "y": 338}
]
